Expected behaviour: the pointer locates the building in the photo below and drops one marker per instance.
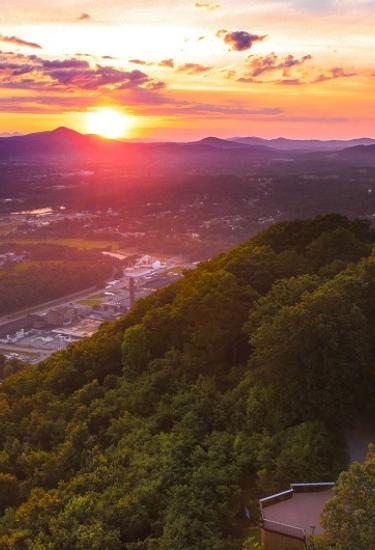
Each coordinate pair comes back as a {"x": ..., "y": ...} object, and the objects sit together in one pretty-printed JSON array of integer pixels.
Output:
[
  {"x": 131, "y": 292},
  {"x": 115, "y": 307},
  {"x": 84, "y": 329},
  {"x": 60, "y": 316},
  {"x": 37, "y": 320},
  {"x": 289, "y": 517}
]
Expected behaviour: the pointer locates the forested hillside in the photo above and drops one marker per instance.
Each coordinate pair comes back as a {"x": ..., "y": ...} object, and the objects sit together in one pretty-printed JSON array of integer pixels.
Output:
[{"x": 158, "y": 431}]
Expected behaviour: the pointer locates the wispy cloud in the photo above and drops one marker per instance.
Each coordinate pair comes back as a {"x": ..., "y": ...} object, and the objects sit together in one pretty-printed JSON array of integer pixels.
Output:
[
  {"x": 207, "y": 5},
  {"x": 259, "y": 65},
  {"x": 193, "y": 68},
  {"x": 285, "y": 71},
  {"x": 19, "y": 42},
  {"x": 136, "y": 61},
  {"x": 333, "y": 74},
  {"x": 167, "y": 63}
]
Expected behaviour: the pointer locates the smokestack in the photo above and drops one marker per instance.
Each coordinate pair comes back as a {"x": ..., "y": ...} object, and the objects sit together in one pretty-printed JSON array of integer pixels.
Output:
[{"x": 131, "y": 292}]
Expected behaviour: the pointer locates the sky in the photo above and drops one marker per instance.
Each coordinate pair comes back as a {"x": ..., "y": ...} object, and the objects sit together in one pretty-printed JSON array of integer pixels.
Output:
[{"x": 185, "y": 69}]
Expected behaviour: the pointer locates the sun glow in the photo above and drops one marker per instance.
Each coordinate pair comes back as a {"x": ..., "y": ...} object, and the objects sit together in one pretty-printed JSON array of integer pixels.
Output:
[{"x": 108, "y": 123}]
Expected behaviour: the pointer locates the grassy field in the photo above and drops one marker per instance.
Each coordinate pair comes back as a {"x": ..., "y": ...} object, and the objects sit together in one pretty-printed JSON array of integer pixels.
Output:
[
  {"x": 87, "y": 244},
  {"x": 93, "y": 300},
  {"x": 89, "y": 302}
]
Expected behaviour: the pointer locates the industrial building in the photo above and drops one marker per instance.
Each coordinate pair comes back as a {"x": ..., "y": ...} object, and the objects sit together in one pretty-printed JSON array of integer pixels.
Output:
[{"x": 60, "y": 316}]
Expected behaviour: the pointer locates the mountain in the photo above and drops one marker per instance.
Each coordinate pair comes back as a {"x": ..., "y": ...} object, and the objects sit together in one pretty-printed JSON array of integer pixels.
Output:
[
  {"x": 218, "y": 143},
  {"x": 161, "y": 429},
  {"x": 63, "y": 141},
  {"x": 60, "y": 141},
  {"x": 210, "y": 154},
  {"x": 361, "y": 154},
  {"x": 285, "y": 144}
]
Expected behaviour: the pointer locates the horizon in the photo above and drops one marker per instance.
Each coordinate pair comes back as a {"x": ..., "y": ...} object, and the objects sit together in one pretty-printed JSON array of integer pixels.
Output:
[
  {"x": 224, "y": 138},
  {"x": 180, "y": 71}
]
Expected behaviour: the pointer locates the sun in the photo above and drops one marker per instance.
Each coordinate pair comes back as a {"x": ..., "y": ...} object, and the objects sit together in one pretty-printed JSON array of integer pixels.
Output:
[{"x": 108, "y": 123}]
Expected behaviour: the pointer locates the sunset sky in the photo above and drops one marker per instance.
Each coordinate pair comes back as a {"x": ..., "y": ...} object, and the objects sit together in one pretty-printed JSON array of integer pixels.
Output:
[{"x": 180, "y": 69}]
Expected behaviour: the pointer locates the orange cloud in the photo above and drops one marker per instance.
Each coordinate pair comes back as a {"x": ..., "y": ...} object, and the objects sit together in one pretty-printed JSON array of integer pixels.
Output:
[{"x": 193, "y": 68}]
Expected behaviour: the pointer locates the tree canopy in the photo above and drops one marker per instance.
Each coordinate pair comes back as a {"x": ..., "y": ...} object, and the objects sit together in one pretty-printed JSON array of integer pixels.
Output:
[{"x": 233, "y": 382}]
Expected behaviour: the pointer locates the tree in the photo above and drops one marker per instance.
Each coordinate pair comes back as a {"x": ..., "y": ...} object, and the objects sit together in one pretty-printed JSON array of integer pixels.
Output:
[
  {"x": 315, "y": 356},
  {"x": 349, "y": 518}
]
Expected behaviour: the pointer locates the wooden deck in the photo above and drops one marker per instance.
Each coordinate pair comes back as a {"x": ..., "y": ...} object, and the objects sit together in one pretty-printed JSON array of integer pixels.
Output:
[{"x": 301, "y": 511}]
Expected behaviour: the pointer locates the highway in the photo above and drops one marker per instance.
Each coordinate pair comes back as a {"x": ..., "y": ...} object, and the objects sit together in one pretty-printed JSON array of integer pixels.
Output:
[{"x": 79, "y": 295}]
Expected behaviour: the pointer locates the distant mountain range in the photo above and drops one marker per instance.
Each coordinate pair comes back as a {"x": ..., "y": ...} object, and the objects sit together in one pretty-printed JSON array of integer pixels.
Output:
[
  {"x": 304, "y": 144},
  {"x": 235, "y": 154}
]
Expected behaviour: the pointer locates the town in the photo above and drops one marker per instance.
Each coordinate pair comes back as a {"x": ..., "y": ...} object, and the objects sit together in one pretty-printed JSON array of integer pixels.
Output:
[{"x": 43, "y": 330}]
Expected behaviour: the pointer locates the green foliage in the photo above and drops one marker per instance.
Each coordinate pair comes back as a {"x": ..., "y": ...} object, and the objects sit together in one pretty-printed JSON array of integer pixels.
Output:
[
  {"x": 8, "y": 367},
  {"x": 349, "y": 518},
  {"x": 157, "y": 432},
  {"x": 251, "y": 544}
]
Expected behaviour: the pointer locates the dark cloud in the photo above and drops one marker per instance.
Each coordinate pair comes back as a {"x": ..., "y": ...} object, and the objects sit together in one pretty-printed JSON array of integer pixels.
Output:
[
  {"x": 84, "y": 17},
  {"x": 65, "y": 64},
  {"x": 70, "y": 74},
  {"x": 193, "y": 68},
  {"x": 239, "y": 40},
  {"x": 19, "y": 42},
  {"x": 15, "y": 69}
]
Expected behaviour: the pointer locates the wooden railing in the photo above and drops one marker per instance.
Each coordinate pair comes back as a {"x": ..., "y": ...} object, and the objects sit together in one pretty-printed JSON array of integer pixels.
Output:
[
  {"x": 311, "y": 487},
  {"x": 278, "y": 497},
  {"x": 284, "y": 529}
]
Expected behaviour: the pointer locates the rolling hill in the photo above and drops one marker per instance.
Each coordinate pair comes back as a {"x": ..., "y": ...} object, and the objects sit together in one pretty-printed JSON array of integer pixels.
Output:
[{"x": 316, "y": 145}]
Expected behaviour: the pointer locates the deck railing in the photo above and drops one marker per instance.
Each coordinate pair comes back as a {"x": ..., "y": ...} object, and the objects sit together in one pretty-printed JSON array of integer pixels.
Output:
[
  {"x": 284, "y": 529},
  {"x": 311, "y": 487},
  {"x": 278, "y": 497}
]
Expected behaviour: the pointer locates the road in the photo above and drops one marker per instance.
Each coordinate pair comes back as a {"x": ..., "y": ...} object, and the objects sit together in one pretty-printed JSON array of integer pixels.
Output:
[
  {"x": 79, "y": 295},
  {"x": 22, "y": 349}
]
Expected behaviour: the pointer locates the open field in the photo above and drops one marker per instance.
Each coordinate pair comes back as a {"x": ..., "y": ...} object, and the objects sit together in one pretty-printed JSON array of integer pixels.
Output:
[{"x": 91, "y": 302}]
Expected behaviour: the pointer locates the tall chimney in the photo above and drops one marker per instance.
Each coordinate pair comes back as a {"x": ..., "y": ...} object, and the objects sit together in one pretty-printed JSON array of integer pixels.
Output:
[{"x": 131, "y": 292}]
